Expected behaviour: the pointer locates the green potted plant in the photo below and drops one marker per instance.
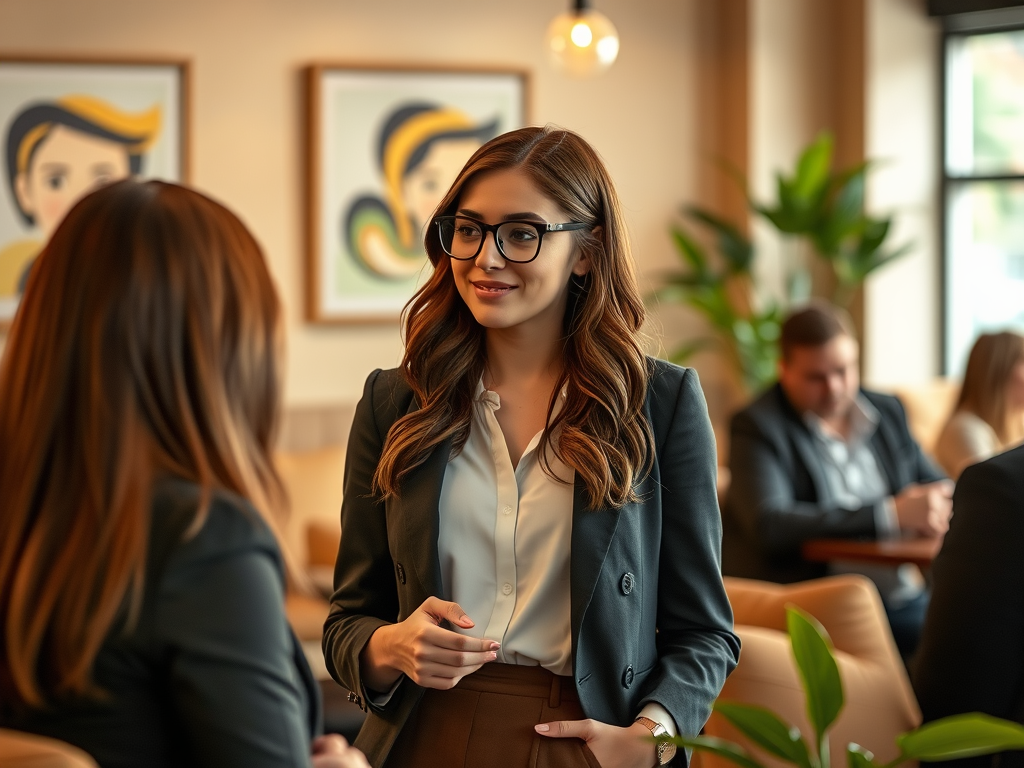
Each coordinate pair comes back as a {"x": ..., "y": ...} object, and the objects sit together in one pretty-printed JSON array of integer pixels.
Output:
[
  {"x": 950, "y": 738},
  {"x": 817, "y": 207}
]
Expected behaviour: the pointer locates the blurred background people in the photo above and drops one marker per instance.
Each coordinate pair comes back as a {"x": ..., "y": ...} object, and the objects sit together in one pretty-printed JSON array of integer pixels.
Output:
[
  {"x": 989, "y": 413},
  {"x": 816, "y": 456},
  {"x": 141, "y": 583}
]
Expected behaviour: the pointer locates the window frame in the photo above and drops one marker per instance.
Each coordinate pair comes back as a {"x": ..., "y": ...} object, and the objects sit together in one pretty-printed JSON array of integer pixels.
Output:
[{"x": 962, "y": 25}]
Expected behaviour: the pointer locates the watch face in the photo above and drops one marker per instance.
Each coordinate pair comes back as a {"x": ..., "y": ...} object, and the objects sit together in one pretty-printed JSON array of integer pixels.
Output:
[{"x": 666, "y": 751}]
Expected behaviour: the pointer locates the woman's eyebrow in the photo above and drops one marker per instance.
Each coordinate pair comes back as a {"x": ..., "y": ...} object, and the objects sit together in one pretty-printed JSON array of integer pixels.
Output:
[{"x": 528, "y": 215}]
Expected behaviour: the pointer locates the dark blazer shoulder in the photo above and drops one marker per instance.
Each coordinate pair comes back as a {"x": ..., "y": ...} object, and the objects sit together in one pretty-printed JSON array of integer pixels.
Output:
[
  {"x": 388, "y": 396},
  {"x": 232, "y": 526},
  {"x": 671, "y": 388}
]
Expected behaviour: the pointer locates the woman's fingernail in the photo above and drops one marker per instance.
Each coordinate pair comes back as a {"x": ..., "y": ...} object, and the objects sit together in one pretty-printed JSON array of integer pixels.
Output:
[
  {"x": 543, "y": 728},
  {"x": 492, "y": 656},
  {"x": 495, "y": 646}
]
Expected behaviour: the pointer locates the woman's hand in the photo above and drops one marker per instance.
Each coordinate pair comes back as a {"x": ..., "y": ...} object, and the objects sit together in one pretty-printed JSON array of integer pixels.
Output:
[
  {"x": 423, "y": 650},
  {"x": 332, "y": 751},
  {"x": 613, "y": 747}
]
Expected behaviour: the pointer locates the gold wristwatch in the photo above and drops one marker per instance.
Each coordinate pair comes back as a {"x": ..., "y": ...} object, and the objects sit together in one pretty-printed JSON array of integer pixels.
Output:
[{"x": 666, "y": 749}]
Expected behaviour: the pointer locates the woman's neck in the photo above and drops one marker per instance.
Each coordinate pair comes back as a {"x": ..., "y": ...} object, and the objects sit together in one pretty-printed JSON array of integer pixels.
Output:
[{"x": 515, "y": 359}]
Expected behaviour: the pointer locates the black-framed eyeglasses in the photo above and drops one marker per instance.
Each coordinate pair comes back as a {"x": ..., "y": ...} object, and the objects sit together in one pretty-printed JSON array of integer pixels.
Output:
[{"x": 518, "y": 241}]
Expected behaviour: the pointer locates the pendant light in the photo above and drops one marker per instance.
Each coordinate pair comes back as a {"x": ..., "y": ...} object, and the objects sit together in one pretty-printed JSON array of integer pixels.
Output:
[{"x": 582, "y": 41}]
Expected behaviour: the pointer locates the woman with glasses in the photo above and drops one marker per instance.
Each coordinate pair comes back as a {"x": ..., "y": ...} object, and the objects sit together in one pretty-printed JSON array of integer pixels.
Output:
[{"x": 529, "y": 564}]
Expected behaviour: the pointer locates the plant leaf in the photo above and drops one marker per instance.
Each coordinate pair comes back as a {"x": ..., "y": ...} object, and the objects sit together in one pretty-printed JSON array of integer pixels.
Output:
[
  {"x": 818, "y": 669},
  {"x": 858, "y": 757},
  {"x": 691, "y": 253},
  {"x": 961, "y": 736},
  {"x": 724, "y": 749},
  {"x": 735, "y": 247},
  {"x": 812, "y": 170},
  {"x": 766, "y": 730}
]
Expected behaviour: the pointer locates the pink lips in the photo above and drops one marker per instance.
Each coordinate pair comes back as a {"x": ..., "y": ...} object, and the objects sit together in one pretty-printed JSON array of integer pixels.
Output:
[{"x": 492, "y": 288}]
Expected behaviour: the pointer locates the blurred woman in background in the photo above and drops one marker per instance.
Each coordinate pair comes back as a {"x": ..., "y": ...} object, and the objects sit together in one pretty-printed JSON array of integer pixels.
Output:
[
  {"x": 141, "y": 583},
  {"x": 989, "y": 413}
]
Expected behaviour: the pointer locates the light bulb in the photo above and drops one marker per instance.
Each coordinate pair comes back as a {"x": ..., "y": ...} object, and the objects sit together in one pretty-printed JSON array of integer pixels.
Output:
[{"x": 582, "y": 42}]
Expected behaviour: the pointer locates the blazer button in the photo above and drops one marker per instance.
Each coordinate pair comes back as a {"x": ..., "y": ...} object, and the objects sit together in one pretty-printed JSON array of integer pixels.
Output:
[
  {"x": 627, "y": 677},
  {"x": 401, "y": 572},
  {"x": 628, "y": 579}
]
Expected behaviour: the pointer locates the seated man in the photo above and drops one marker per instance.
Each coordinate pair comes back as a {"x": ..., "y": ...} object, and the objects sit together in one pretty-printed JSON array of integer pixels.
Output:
[
  {"x": 815, "y": 456},
  {"x": 971, "y": 656}
]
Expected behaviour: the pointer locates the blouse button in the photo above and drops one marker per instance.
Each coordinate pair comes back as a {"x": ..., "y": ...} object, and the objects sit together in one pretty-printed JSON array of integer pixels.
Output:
[
  {"x": 628, "y": 579},
  {"x": 627, "y": 677},
  {"x": 401, "y": 572},
  {"x": 507, "y": 589},
  {"x": 507, "y": 510}
]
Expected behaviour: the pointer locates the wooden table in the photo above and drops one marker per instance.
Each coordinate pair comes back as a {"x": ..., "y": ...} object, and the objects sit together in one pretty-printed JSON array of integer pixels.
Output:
[{"x": 920, "y": 552}]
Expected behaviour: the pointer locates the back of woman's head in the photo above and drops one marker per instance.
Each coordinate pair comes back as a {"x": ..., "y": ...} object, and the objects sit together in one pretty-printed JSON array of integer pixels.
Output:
[
  {"x": 602, "y": 435},
  {"x": 990, "y": 366},
  {"x": 146, "y": 344}
]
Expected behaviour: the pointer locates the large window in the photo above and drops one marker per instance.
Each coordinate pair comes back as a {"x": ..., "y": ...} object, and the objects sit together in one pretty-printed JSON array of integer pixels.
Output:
[{"x": 983, "y": 181}]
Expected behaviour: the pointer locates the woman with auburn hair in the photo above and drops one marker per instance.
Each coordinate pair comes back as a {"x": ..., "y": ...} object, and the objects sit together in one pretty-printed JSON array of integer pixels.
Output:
[
  {"x": 989, "y": 413},
  {"x": 141, "y": 583},
  {"x": 529, "y": 564}
]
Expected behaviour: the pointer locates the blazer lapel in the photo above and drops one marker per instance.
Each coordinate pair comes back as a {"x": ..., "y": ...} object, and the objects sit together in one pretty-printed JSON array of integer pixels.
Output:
[
  {"x": 810, "y": 453},
  {"x": 417, "y": 514},
  {"x": 887, "y": 461},
  {"x": 592, "y": 531}
]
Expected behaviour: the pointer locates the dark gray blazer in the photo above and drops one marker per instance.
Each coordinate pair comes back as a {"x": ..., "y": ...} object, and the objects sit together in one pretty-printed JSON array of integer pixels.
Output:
[
  {"x": 211, "y": 675},
  {"x": 668, "y": 639},
  {"x": 971, "y": 655},
  {"x": 779, "y": 496}
]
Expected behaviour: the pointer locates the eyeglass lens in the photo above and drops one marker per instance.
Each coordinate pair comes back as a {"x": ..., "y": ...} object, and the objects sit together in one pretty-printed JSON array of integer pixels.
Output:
[{"x": 463, "y": 239}]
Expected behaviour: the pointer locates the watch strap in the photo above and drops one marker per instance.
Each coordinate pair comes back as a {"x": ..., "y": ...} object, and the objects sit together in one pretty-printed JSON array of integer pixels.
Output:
[{"x": 665, "y": 750}]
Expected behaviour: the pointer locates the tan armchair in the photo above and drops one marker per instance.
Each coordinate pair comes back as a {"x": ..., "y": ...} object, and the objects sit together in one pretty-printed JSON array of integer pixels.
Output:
[
  {"x": 879, "y": 701},
  {"x": 25, "y": 750}
]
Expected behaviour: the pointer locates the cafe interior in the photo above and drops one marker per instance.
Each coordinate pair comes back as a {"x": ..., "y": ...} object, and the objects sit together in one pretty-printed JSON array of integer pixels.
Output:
[{"x": 703, "y": 110}]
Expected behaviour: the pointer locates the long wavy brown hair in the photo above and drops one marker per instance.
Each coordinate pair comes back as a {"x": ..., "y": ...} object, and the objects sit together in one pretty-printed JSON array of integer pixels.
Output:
[
  {"x": 989, "y": 368},
  {"x": 601, "y": 430},
  {"x": 146, "y": 344}
]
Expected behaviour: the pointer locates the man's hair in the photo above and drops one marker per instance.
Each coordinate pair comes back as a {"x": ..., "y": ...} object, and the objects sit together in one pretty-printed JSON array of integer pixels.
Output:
[{"x": 816, "y": 323}]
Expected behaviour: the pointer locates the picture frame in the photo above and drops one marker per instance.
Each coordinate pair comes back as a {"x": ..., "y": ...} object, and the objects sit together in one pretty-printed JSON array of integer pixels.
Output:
[
  {"x": 384, "y": 144},
  {"x": 69, "y": 124}
]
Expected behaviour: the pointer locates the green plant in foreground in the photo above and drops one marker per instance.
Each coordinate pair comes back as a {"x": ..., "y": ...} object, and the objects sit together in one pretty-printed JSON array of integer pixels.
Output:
[{"x": 947, "y": 739}]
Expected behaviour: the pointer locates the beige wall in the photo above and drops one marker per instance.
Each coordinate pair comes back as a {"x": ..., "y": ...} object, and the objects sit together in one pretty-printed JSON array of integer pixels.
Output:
[
  {"x": 247, "y": 119},
  {"x": 654, "y": 117},
  {"x": 903, "y": 329}
]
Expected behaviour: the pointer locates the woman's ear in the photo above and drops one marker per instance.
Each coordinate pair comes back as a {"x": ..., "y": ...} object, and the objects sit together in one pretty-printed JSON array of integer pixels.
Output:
[{"x": 582, "y": 265}]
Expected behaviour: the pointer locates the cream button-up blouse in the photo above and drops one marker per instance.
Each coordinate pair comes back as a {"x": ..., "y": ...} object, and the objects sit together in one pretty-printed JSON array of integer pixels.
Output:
[{"x": 504, "y": 546}]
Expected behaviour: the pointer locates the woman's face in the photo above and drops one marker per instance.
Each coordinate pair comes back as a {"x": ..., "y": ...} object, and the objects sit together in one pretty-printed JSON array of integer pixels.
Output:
[
  {"x": 425, "y": 185},
  {"x": 67, "y": 165},
  {"x": 502, "y": 294}
]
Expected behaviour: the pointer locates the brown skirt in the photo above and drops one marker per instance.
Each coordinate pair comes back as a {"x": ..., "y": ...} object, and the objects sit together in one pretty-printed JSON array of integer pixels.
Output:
[{"x": 487, "y": 720}]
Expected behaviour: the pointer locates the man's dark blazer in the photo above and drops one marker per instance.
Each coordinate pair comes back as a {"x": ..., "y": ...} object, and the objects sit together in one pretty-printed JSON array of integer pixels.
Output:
[
  {"x": 971, "y": 655},
  {"x": 779, "y": 496},
  {"x": 670, "y": 543}
]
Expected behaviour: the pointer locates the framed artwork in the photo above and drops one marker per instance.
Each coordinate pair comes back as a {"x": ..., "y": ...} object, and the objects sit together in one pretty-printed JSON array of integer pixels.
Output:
[
  {"x": 70, "y": 125},
  {"x": 384, "y": 146}
]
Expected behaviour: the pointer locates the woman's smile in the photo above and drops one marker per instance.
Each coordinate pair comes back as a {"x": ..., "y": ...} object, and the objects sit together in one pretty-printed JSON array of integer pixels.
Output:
[{"x": 492, "y": 289}]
